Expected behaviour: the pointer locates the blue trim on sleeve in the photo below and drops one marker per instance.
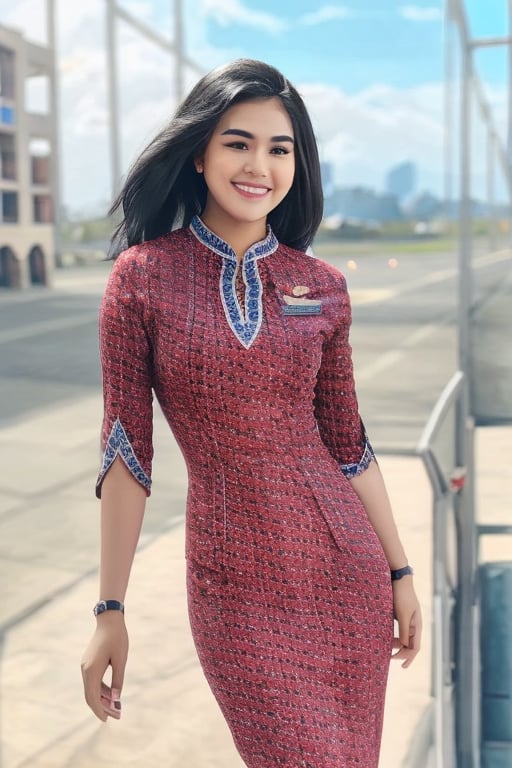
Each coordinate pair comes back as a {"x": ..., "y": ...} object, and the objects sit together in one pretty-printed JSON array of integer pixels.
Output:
[
  {"x": 118, "y": 444},
  {"x": 355, "y": 469}
]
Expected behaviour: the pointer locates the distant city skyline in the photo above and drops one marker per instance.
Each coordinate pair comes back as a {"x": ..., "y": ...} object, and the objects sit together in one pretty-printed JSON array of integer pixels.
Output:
[{"x": 370, "y": 72}]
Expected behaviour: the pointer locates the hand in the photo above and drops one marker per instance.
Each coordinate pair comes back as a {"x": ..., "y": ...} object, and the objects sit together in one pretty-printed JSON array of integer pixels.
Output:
[
  {"x": 408, "y": 615},
  {"x": 108, "y": 647}
]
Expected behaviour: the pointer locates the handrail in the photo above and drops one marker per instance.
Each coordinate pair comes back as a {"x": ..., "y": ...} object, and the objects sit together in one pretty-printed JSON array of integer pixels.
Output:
[
  {"x": 441, "y": 408},
  {"x": 442, "y": 732}
]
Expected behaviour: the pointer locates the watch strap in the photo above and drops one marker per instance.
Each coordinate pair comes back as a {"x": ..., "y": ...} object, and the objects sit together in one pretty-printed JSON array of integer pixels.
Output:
[
  {"x": 401, "y": 572},
  {"x": 108, "y": 605}
]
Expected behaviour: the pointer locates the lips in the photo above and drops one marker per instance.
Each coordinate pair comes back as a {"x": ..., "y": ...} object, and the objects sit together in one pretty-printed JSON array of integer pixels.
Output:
[{"x": 251, "y": 190}]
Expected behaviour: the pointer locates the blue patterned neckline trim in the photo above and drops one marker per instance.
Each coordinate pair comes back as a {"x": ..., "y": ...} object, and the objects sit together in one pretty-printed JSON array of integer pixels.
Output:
[
  {"x": 215, "y": 243},
  {"x": 244, "y": 322}
]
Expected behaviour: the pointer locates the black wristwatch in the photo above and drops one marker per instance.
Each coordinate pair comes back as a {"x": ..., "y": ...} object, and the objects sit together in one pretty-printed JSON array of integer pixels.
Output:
[
  {"x": 401, "y": 572},
  {"x": 108, "y": 605}
]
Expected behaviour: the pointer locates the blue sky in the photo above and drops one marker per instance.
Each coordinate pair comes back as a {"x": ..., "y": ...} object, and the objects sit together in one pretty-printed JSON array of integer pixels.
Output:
[
  {"x": 347, "y": 44},
  {"x": 370, "y": 71}
]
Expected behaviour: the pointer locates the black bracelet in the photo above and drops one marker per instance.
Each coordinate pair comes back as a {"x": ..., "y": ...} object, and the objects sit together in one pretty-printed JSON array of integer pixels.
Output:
[
  {"x": 400, "y": 572},
  {"x": 108, "y": 605}
]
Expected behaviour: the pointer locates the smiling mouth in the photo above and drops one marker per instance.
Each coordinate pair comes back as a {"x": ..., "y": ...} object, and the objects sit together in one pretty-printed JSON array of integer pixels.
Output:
[{"x": 250, "y": 190}]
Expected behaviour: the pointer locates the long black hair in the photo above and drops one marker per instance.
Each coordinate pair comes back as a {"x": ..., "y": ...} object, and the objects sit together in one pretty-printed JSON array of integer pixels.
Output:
[{"x": 163, "y": 190}]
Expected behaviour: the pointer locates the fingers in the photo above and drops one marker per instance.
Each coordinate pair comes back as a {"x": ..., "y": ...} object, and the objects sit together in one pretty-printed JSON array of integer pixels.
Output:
[
  {"x": 406, "y": 654},
  {"x": 111, "y": 701},
  {"x": 104, "y": 700},
  {"x": 408, "y": 642},
  {"x": 112, "y": 695},
  {"x": 118, "y": 674},
  {"x": 406, "y": 630},
  {"x": 92, "y": 690}
]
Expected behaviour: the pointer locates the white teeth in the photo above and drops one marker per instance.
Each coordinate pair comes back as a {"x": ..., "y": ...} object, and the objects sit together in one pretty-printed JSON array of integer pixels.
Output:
[{"x": 252, "y": 190}]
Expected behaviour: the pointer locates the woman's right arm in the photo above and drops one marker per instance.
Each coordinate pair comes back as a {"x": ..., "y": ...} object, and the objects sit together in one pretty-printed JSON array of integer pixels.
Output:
[
  {"x": 124, "y": 481},
  {"x": 122, "y": 509}
]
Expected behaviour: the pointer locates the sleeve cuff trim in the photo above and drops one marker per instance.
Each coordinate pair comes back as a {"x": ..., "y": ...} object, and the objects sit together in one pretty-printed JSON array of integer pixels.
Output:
[
  {"x": 355, "y": 469},
  {"x": 118, "y": 444}
]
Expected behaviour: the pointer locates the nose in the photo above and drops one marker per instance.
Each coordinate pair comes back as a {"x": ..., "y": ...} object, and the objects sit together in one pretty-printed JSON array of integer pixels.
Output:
[{"x": 256, "y": 165}]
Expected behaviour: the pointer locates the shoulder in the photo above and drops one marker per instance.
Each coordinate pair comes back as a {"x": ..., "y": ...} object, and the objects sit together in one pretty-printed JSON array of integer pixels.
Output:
[
  {"x": 318, "y": 271},
  {"x": 144, "y": 261}
]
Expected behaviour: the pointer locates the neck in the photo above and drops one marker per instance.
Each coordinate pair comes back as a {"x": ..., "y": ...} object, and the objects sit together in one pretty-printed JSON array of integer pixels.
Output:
[{"x": 240, "y": 236}]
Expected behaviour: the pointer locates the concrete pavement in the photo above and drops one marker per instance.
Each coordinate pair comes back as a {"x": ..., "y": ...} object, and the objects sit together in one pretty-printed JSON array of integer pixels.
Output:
[{"x": 169, "y": 717}]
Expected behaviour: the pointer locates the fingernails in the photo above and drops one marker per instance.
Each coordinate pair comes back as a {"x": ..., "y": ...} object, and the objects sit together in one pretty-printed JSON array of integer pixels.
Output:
[{"x": 112, "y": 705}]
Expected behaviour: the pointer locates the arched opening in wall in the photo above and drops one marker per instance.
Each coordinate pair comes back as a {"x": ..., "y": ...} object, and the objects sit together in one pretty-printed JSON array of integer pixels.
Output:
[
  {"x": 37, "y": 266},
  {"x": 10, "y": 275}
]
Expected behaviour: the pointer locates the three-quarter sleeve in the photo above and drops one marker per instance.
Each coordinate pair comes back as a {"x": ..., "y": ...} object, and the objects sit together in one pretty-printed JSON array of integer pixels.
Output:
[
  {"x": 336, "y": 406},
  {"x": 126, "y": 363}
]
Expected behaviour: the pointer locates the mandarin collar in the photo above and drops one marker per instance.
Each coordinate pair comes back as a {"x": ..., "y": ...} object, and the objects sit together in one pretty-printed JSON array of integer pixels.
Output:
[{"x": 216, "y": 244}]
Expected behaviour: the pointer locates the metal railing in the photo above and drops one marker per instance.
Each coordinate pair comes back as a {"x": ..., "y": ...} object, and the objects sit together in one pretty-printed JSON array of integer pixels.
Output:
[
  {"x": 451, "y": 729},
  {"x": 478, "y": 155}
]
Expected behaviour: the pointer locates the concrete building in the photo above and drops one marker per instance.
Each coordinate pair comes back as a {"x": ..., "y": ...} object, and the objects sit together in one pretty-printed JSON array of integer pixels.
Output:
[{"x": 28, "y": 149}]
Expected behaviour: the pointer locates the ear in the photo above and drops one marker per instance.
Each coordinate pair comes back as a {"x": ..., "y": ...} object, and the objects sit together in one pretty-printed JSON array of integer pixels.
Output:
[{"x": 198, "y": 163}]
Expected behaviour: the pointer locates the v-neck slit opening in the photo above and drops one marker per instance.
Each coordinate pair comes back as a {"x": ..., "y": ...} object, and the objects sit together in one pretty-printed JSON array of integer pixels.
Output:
[{"x": 244, "y": 314}]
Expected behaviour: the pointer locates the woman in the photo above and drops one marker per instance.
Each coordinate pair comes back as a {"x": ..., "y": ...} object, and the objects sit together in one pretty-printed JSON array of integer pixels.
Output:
[{"x": 294, "y": 564}]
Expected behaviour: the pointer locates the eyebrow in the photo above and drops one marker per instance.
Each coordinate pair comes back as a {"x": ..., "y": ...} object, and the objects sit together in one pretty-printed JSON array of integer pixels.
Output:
[{"x": 247, "y": 135}]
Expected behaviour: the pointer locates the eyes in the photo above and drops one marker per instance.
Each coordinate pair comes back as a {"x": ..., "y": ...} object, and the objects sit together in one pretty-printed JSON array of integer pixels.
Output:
[{"x": 242, "y": 145}]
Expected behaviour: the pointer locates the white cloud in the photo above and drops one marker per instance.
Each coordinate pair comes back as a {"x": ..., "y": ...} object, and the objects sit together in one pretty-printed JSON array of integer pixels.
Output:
[
  {"x": 27, "y": 16},
  {"x": 326, "y": 13},
  {"x": 226, "y": 12},
  {"x": 363, "y": 135},
  {"x": 420, "y": 13}
]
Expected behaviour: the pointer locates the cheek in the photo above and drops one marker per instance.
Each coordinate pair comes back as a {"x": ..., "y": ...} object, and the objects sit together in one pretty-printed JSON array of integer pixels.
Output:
[{"x": 287, "y": 176}]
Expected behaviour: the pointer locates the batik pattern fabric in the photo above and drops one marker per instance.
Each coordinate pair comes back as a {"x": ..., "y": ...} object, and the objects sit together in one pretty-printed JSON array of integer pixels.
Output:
[{"x": 289, "y": 590}]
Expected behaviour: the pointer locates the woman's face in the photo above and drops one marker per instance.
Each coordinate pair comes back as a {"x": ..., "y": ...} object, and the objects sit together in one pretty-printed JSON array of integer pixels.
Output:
[{"x": 248, "y": 164}]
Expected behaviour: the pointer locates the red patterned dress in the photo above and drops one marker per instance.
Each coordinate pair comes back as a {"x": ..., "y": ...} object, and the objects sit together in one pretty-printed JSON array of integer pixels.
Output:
[{"x": 289, "y": 591}]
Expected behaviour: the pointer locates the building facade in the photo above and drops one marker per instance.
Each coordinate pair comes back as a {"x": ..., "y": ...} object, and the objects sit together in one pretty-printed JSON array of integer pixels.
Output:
[{"x": 28, "y": 149}]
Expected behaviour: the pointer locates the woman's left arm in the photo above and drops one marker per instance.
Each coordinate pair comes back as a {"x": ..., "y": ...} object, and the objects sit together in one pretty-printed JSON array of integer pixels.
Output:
[
  {"x": 342, "y": 431},
  {"x": 370, "y": 488}
]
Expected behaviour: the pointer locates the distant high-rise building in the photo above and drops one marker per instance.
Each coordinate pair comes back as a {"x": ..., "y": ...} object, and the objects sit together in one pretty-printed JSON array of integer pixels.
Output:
[
  {"x": 28, "y": 144},
  {"x": 401, "y": 180},
  {"x": 363, "y": 205}
]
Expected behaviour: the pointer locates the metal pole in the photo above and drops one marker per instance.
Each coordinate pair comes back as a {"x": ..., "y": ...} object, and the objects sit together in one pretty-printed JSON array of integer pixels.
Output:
[
  {"x": 467, "y": 729},
  {"x": 509, "y": 133},
  {"x": 490, "y": 191},
  {"x": 509, "y": 138},
  {"x": 179, "y": 50},
  {"x": 465, "y": 233},
  {"x": 113, "y": 100},
  {"x": 448, "y": 108},
  {"x": 51, "y": 39}
]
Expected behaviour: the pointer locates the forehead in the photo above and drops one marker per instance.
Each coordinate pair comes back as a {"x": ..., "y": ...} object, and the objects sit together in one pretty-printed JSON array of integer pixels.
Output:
[{"x": 258, "y": 116}]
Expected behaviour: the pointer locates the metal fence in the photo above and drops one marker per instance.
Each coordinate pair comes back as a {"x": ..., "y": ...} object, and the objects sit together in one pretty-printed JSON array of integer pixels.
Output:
[
  {"x": 479, "y": 179},
  {"x": 478, "y": 157},
  {"x": 451, "y": 728}
]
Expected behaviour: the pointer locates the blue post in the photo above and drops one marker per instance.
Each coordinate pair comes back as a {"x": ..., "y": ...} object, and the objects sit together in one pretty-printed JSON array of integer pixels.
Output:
[{"x": 496, "y": 658}]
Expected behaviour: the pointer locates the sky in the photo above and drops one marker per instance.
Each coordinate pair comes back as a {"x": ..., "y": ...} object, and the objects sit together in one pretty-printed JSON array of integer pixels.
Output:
[{"x": 370, "y": 71}]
